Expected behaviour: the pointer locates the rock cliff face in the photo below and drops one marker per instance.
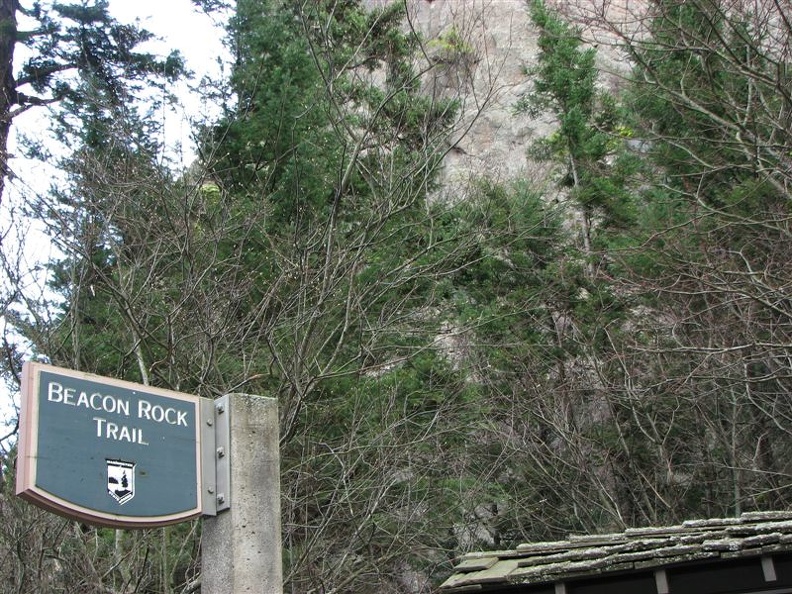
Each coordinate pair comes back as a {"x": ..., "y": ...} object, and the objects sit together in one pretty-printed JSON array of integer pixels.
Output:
[{"x": 481, "y": 49}]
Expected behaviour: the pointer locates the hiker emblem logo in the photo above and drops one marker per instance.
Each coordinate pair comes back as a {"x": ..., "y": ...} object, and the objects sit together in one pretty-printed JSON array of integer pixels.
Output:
[{"x": 121, "y": 480}]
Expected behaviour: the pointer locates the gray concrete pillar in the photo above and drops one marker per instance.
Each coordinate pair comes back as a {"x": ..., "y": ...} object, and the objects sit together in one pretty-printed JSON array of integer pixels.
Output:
[{"x": 241, "y": 547}]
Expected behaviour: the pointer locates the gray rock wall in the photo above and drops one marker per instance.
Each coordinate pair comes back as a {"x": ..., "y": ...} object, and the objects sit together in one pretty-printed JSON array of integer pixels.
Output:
[
  {"x": 503, "y": 42},
  {"x": 498, "y": 42}
]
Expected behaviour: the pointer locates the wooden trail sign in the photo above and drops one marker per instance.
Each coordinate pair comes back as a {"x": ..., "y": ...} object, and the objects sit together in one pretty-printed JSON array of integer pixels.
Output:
[{"x": 111, "y": 452}]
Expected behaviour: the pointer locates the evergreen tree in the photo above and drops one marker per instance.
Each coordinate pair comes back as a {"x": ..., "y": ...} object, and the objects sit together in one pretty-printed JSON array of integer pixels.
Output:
[
  {"x": 93, "y": 77},
  {"x": 71, "y": 42},
  {"x": 332, "y": 152},
  {"x": 586, "y": 144}
]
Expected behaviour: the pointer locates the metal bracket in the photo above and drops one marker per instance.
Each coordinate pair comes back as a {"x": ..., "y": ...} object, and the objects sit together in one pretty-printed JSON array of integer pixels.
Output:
[
  {"x": 223, "y": 452},
  {"x": 216, "y": 455}
]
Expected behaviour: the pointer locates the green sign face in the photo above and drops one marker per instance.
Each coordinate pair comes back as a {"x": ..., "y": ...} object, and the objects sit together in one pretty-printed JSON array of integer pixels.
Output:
[{"x": 109, "y": 452}]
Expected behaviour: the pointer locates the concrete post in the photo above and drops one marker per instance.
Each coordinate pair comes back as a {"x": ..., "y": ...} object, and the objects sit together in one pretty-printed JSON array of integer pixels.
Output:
[{"x": 241, "y": 547}]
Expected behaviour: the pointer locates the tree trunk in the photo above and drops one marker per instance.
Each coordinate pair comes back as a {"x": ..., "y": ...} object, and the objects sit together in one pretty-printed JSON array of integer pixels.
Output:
[{"x": 8, "y": 95}]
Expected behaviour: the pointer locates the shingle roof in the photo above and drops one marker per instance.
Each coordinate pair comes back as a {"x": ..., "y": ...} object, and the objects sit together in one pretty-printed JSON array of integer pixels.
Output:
[{"x": 751, "y": 534}]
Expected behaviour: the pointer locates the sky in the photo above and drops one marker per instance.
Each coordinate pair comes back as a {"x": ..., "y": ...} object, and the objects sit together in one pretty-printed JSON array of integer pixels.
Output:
[{"x": 197, "y": 36}]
